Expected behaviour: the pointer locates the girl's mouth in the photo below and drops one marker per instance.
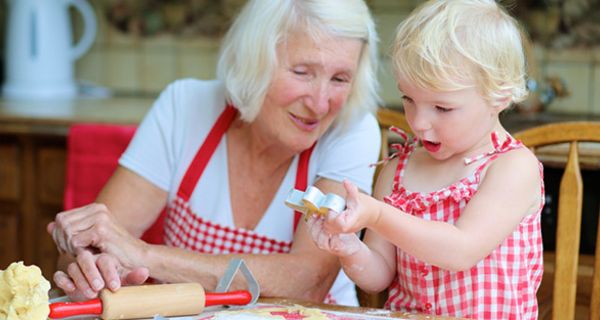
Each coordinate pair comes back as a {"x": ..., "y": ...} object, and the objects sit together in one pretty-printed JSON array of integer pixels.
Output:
[{"x": 431, "y": 146}]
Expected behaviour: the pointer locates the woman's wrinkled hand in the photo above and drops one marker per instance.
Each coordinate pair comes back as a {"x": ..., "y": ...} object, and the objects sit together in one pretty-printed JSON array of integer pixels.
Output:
[
  {"x": 342, "y": 244},
  {"x": 94, "y": 228},
  {"x": 90, "y": 273}
]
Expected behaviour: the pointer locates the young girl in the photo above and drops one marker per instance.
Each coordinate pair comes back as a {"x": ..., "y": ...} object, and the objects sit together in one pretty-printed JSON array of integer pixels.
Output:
[{"x": 458, "y": 230}]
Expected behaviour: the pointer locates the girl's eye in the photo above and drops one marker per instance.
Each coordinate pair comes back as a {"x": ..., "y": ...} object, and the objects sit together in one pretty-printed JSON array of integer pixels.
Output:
[
  {"x": 406, "y": 100},
  {"x": 442, "y": 109}
]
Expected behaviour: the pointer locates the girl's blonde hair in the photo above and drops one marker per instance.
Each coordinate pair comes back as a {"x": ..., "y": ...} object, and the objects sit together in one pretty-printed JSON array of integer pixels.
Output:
[
  {"x": 448, "y": 45},
  {"x": 248, "y": 56}
]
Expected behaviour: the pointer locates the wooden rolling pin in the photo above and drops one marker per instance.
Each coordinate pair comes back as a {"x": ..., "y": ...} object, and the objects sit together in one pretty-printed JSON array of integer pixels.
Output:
[{"x": 178, "y": 299}]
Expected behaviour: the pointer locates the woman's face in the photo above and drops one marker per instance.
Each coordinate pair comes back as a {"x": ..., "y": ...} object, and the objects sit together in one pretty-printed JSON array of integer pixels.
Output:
[{"x": 310, "y": 85}]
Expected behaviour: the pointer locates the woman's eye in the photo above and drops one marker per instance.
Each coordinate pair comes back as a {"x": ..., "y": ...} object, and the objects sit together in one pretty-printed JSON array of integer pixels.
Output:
[
  {"x": 340, "y": 79},
  {"x": 299, "y": 72},
  {"x": 442, "y": 109}
]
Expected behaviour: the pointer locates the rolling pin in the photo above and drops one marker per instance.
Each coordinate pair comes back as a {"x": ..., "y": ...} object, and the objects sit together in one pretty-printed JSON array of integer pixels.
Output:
[{"x": 178, "y": 299}]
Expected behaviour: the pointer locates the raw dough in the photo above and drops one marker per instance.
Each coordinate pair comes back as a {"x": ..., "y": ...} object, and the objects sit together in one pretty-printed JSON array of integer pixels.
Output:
[
  {"x": 23, "y": 293},
  {"x": 271, "y": 313}
]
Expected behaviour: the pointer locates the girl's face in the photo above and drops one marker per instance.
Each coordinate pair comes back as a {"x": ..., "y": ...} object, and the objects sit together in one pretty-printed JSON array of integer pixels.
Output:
[
  {"x": 449, "y": 124},
  {"x": 309, "y": 88}
]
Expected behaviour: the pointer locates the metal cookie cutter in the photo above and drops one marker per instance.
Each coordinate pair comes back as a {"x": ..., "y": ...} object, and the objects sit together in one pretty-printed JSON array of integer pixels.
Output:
[
  {"x": 225, "y": 281},
  {"x": 313, "y": 201}
]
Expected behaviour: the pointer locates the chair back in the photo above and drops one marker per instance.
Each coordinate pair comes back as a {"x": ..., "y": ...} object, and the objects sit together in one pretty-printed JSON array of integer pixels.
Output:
[
  {"x": 390, "y": 118},
  {"x": 93, "y": 152},
  {"x": 566, "y": 264}
]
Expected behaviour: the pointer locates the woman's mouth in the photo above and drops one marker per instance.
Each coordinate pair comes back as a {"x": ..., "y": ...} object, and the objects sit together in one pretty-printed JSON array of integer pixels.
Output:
[
  {"x": 431, "y": 146},
  {"x": 304, "y": 123}
]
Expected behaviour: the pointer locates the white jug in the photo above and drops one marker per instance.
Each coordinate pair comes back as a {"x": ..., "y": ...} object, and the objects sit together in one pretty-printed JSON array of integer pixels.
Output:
[{"x": 39, "y": 50}]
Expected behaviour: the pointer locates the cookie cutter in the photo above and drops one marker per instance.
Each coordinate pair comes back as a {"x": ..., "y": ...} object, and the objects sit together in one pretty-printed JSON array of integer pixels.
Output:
[{"x": 313, "y": 201}]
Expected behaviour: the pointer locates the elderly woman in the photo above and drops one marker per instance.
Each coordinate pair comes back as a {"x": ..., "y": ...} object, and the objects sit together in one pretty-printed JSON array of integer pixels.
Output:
[{"x": 292, "y": 107}]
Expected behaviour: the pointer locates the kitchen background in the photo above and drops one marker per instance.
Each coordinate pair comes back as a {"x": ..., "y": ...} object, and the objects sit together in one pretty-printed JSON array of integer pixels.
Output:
[{"x": 141, "y": 46}]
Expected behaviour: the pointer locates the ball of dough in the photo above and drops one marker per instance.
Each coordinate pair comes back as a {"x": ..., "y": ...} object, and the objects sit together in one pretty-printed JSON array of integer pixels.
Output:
[{"x": 23, "y": 293}]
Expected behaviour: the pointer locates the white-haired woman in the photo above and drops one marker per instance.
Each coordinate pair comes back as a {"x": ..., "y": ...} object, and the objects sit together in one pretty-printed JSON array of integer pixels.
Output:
[{"x": 293, "y": 102}]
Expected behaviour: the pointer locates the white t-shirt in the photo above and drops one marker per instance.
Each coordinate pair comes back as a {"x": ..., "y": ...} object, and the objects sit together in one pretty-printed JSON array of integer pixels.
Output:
[{"x": 174, "y": 129}]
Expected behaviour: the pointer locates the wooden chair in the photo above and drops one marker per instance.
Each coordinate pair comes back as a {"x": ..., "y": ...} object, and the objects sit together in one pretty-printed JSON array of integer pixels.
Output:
[
  {"x": 386, "y": 119},
  {"x": 566, "y": 261}
]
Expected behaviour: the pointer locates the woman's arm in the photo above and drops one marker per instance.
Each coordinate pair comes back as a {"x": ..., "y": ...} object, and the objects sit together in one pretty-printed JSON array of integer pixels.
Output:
[
  {"x": 114, "y": 227},
  {"x": 306, "y": 272}
]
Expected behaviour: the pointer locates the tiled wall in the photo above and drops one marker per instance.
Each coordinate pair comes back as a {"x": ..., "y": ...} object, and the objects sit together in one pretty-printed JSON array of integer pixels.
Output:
[{"x": 128, "y": 64}]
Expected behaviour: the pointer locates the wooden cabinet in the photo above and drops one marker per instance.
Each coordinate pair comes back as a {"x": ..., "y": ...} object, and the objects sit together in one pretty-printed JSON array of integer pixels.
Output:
[
  {"x": 33, "y": 140},
  {"x": 32, "y": 168}
]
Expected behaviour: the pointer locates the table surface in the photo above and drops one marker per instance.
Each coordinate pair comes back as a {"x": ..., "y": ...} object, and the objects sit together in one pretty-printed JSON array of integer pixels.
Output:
[
  {"x": 58, "y": 295},
  {"x": 352, "y": 310}
]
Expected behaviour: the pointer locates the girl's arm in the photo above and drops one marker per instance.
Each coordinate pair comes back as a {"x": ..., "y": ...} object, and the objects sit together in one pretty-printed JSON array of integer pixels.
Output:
[
  {"x": 373, "y": 267},
  {"x": 510, "y": 190}
]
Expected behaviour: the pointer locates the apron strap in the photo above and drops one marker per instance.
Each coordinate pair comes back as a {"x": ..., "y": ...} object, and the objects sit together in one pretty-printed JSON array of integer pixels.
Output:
[
  {"x": 202, "y": 157},
  {"x": 196, "y": 168},
  {"x": 302, "y": 178}
]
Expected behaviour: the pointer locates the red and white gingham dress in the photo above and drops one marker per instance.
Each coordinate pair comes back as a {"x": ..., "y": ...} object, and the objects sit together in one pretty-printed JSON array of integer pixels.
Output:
[
  {"x": 185, "y": 229},
  {"x": 501, "y": 286}
]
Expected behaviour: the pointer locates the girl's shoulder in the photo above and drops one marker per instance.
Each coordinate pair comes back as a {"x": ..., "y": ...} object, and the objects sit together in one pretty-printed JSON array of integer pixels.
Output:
[
  {"x": 516, "y": 161},
  {"x": 518, "y": 169}
]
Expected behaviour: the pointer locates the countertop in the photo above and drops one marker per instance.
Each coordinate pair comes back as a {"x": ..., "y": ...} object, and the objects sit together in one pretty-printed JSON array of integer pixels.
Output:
[{"x": 56, "y": 116}]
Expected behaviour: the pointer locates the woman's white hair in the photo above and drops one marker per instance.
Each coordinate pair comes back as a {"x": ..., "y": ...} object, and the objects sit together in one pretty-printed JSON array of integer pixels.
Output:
[
  {"x": 248, "y": 56},
  {"x": 454, "y": 44}
]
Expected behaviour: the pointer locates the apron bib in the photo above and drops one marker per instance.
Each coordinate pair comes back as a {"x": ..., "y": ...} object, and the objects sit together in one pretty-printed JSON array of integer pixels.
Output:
[{"x": 184, "y": 229}]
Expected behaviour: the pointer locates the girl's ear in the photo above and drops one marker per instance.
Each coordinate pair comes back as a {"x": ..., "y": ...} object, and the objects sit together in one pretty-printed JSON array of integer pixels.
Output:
[{"x": 503, "y": 103}]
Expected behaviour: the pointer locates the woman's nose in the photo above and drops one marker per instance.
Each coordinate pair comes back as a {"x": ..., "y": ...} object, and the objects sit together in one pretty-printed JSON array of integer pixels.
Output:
[{"x": 319, "y": 98}]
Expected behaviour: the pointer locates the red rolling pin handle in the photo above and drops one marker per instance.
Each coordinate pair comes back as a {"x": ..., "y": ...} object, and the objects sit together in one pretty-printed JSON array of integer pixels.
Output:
[
  {"x": 240, "y": 297},
  {"x": 68, "y": 309}
]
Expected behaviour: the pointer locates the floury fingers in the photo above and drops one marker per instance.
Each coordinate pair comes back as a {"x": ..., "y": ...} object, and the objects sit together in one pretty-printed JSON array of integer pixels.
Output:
[{"x": 313, "y": 201}]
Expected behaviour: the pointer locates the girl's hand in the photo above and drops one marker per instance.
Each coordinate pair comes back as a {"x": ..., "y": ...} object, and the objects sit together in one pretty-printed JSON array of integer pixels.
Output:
[
  {"x": 342, "y": 244},
  {"x": 361, "y": 211},
  {"x": 94, "y": 227},
  {"x": 90, "y": 273}
]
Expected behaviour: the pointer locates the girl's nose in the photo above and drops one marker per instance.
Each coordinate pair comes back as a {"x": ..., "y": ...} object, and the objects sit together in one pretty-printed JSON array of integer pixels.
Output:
[{"x": 420, "y": 121}]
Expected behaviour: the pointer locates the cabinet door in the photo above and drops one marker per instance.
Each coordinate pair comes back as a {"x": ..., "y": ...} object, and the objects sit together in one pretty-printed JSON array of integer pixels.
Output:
[
  {"x": 9, "y": 244},
  {"x": 10, "y": 190}
]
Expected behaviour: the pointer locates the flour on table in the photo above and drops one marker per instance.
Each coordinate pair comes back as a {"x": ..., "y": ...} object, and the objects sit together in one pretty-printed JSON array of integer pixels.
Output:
[{"x": 272, "y": 313}]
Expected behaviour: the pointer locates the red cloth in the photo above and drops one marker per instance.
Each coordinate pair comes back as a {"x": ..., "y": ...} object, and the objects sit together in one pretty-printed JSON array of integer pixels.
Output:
[{"x": 93, "y": 152}]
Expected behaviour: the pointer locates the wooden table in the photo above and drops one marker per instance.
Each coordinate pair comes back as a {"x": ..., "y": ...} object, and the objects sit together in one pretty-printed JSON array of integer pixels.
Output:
[{"x": 353, "y": 310}]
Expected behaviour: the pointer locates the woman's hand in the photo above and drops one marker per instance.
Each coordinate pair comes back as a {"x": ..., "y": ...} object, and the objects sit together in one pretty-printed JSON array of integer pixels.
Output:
[
  {"x": 341, "y": 244},
  {"x": 94, "y": 227},
  {"x": 361, "y": 212},
  {"x": 91, "y": 273}
]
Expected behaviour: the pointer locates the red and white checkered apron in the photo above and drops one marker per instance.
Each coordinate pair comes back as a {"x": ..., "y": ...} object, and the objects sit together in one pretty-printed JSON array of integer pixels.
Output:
[
  {"x": 185, "y": 229},
  {"x": 501, "y": 286}
]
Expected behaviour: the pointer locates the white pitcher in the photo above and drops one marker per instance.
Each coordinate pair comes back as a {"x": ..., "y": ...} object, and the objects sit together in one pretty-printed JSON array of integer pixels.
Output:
[{"x": 39, "y": 50}]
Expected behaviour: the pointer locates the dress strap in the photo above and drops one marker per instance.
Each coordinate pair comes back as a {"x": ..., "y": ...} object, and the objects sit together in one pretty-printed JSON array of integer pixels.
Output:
[
  {"x": 402, "y": 151},
  {"x": 509, "y": 144}
]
